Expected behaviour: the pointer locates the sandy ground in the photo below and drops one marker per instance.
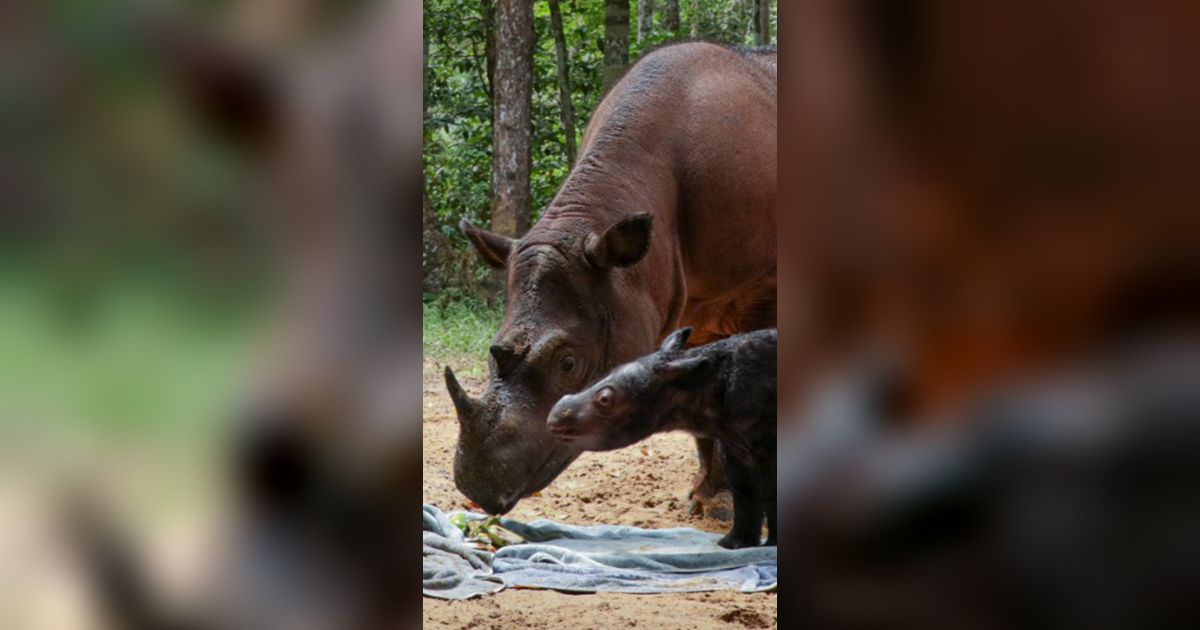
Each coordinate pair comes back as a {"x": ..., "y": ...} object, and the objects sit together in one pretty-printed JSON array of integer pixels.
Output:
[{"x": 644, "y": 485}]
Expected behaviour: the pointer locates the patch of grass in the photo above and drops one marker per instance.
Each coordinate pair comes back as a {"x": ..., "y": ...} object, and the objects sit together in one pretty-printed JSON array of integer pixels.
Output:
[{"x": 459, "y": 334}]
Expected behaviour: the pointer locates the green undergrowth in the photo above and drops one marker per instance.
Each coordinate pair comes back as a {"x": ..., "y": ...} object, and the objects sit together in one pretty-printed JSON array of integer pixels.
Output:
[{"x": 459, "y": 334}]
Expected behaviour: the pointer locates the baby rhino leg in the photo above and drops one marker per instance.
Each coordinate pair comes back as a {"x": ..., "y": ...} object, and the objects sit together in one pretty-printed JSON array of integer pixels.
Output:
[
  {"x": 709, "y": 480},
  {"x": 769, "y": 485},
  {"x": 747, "y": 498}
]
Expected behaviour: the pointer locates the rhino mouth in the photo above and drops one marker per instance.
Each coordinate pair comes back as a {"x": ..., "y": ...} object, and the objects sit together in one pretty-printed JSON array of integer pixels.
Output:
[{"x": 556, "y": 461}]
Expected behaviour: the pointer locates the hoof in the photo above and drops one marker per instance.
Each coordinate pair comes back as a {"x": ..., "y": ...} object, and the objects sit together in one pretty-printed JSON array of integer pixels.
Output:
[{"x": 729, "y": 541}]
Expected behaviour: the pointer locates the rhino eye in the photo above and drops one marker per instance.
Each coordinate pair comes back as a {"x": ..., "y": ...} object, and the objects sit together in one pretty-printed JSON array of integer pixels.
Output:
[
  {"x": 604, "y": 397},
  {"x": 568, "y": 364}
]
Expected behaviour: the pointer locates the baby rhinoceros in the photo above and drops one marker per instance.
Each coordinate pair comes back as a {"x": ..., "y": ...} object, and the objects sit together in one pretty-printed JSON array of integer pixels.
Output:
[{"x": 725, "y": 390}]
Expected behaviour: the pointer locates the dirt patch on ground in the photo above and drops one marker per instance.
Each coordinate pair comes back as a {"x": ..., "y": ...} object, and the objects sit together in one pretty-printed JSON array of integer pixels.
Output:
[{"x": 644, "y": 485}]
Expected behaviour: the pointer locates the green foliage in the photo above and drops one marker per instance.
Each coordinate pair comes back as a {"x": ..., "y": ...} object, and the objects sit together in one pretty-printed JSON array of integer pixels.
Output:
[
  {"x": 583, "y": 29},
  {"x": 460, "y": 332},
  {"x": 728, "y": 22},
  {"x": 458, "y": 116},
  {"x": 458, "y": 107}
]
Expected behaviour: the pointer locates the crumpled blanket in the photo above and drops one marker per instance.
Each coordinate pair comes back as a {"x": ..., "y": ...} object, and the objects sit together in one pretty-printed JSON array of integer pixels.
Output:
[
  {"x": 588, "y": 559},
  {"x": 452, "y": 569}
]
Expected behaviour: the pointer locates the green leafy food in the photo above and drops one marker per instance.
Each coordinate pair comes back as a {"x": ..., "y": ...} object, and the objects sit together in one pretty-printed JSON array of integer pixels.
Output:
[{"x": 490, "y": 532}]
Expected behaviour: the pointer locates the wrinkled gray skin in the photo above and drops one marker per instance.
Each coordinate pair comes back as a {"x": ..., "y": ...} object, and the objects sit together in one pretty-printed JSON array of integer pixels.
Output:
[
  {"x": 667, "y": 220},
  {"x": 556, "y": 338},
  {"x": 725, "y": 390}
]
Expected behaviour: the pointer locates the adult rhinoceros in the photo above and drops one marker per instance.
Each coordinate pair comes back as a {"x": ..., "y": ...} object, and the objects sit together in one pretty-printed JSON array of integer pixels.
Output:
[{"x": 667, "y": 220}]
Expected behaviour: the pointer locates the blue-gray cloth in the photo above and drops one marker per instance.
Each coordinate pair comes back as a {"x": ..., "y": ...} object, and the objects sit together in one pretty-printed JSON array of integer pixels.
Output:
[{"x": 588, "y": 559}]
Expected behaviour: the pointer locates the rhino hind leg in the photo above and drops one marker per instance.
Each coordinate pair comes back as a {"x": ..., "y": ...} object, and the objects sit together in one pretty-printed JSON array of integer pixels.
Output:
[
  {"x": 767, "y": 479},
  {"x": 709, "y": 495}
]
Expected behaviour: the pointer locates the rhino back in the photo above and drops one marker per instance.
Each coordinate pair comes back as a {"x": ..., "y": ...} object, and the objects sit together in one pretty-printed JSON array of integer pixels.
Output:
[{"x": 687, "y": 135}]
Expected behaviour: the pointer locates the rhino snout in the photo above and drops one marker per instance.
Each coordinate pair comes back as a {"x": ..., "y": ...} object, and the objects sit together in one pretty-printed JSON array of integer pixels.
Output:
[
  {"x": 563, "y": 421},
  {"x": 503, "y": 504}
]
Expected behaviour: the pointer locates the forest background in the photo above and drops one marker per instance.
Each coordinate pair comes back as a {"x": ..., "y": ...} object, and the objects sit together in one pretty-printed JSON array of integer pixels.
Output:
[{"x": 544, "y": 65}]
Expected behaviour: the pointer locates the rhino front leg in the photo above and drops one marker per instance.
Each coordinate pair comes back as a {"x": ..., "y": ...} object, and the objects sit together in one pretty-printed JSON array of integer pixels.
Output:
[
  {"x": 741, "y": 465},
  {"x": 708, "y": 482}
]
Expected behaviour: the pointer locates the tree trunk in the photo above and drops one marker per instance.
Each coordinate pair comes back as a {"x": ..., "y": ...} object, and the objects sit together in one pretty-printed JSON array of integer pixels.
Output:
[
  {"x": 672, "y": 18},
  {"x": 762, "y": 22},
  {"x": 695, "y": 19},
  {"x": 512, "y": 128},
  {"x": 645, "y": 19},
  {"x": 566, "y": 109},
  {"x": 616, "y": 40}
]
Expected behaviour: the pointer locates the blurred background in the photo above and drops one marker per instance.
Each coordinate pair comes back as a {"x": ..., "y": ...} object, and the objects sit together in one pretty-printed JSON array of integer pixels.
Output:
[
  {"x": 159, "y": 262},
  {"x": 130, "y": 239},
  {"x": 133, "y": 271},
  {"x": 989, "y": 306}
]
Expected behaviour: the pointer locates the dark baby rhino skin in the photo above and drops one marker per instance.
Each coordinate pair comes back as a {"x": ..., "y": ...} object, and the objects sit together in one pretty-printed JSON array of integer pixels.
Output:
[{"x": 724, "y": 390}]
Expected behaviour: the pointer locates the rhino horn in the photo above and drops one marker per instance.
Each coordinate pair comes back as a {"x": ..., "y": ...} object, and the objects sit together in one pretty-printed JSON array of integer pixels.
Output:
[
  {"x": 506, "y": 358},
  {"x": 467, "y": 407}
]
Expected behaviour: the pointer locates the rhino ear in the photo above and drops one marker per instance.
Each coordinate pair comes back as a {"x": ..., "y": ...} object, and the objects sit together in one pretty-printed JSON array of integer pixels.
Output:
[
  {"x": 684, "y": 372},
  {"x": 493, "y": 248},
  {"x": 676, "y": 340},
  {"x": 622, "y": 244}
]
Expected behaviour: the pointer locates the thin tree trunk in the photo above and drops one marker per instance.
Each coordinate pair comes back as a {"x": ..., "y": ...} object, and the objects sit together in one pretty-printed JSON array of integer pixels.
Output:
[
  {"x": 749, "y": 10},
  {"x": 489, "y": 30},
  {"x": 695, "y": 19},
  {"x": 512, "y": 128},
  {"x": 566, "y": 109},
  {"x": 645, "y": 19},
  {"x": 432, "y": 239},
  {"x": 616, "y": 40},
  {"x": 672, "y": 18},
  {"x": 762, "y": 22}
]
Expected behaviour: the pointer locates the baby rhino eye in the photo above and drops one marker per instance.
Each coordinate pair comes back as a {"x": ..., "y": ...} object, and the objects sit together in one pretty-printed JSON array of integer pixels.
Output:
[
  {"x": 604, "y": 397},
  {"x": 567, "y": 364}
]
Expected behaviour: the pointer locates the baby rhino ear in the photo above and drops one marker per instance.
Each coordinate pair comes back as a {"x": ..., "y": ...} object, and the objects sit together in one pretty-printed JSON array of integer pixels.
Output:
[
  {"x": 676, "y": 340},
  {"x": 687, "y": 371}
]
